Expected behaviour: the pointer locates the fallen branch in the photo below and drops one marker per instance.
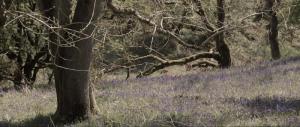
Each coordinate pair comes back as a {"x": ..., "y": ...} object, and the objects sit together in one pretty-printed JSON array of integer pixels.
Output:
[
  {"x": 205, "y": 63},
  {"x": 181, "y": 61},
  {"x": 151, "y": 56},
  {"x": 128, "y": 68},
  {"x": 104, "y": 71}
]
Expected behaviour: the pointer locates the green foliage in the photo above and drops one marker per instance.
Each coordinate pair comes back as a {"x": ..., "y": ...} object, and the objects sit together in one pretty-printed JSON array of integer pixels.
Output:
[
  {"x": 22, "y": 39},
  {"x": 294, "y": 18}
]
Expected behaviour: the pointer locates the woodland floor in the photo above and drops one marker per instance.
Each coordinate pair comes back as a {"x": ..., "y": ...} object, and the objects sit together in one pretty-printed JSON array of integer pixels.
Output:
[{"x": 267, "y": 94}]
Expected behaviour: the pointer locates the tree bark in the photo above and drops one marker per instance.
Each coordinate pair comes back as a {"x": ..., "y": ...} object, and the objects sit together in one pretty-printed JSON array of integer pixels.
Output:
[
  {"x": 269, "y": 14},
  {"x": 75, "y": 99},
  {"x": 273, "y": 32},
  {"x": 221, "y": 46},
  {"x": 2, "y": 14},
  {"x": 73, "y": 55}
]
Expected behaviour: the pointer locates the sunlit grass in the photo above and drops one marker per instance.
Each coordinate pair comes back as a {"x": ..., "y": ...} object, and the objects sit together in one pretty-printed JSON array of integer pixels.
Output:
[{"x": 262, "y": 95}]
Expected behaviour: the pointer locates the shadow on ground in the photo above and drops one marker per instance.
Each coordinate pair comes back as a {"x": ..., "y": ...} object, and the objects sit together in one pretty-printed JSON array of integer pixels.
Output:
[
  {"x": 287, "y": 108},
  {"x": 268, "y": 104},
  {"x": 38, "y": 121}
]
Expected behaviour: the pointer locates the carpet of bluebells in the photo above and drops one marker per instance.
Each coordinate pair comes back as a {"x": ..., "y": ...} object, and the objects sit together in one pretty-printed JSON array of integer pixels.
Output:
[
  {"x": 267, "y": 94},
  {"x": 258, "y": 95}
]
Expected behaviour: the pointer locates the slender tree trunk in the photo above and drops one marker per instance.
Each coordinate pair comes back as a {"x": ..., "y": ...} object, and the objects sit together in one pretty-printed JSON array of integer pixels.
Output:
[
  {"x": 268, "y": 13},
  {"x": 221, "y": 46},
  {"x": 2, "y": 14},
  {"x": 273, "y": 35}
]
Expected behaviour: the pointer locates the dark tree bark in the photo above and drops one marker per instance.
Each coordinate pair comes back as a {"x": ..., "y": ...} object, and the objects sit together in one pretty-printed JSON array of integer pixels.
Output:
[
  {"x": 2, "y": 15},
  {"x": 221, "y": 46},
  {"x": 267, "y": 12},
  {"x": 273, "y": 36},
  {"x": 75, "y": 99},
  {"x": 273, "y": 31}
]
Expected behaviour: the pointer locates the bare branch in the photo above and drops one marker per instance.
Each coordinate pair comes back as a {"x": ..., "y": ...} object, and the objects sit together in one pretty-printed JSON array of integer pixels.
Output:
[
  {"x": 200, "y": 11},
  {"x": 148, "y": 21}
]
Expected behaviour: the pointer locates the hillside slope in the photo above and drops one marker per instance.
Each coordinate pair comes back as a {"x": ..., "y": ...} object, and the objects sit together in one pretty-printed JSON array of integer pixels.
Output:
[{"x": 265, "y": 94}]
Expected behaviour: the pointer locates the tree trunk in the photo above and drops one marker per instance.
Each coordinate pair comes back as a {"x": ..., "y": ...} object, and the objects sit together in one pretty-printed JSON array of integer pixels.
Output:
[
  {"x": 71, "y": 78},
  {"x": 75, "y": 99},
  {"x": 221, "y": 46},
  {"x": 273, "y": 33},
  {"x": 2, "y": 14},
  {"x": 269, "y": 14}
]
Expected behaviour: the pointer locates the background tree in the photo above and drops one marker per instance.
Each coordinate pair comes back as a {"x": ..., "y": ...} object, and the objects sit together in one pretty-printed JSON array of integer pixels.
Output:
[
  {"x": 221, "y": 46},
  {"x": 268, "y": 12},
  {"x": 23, "y": 43}
]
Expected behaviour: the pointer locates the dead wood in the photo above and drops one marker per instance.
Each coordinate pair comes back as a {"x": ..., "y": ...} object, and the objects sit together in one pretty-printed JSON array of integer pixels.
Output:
[{"x": 181, "y": 61}]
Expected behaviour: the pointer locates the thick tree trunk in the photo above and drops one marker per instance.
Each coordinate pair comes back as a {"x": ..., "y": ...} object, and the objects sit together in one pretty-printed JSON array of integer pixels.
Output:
[
  {"x": 221, "y": 46},
  {"x": 75, "y": 99},
  {"x": 71, "y": 80},
  {"x": 75, "y": 94}
]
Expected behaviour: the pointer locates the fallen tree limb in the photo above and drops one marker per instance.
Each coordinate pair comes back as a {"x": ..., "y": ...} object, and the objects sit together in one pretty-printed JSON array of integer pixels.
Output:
[
  {"x": 162, "y": 60},
  {"x": 128, "y": 68},
  {"x": 104, "y": 71},
  {"x": 181, "y": 61},
  {"x": 205, "y": 63}
]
